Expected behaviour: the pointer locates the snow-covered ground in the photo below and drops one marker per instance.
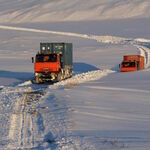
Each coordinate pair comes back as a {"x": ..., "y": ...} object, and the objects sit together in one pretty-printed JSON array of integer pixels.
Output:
[{"x": 99, "y": 107}]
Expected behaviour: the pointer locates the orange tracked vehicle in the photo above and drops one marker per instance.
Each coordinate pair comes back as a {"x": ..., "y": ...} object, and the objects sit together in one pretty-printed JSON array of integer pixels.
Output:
[{"x": 132, "y": 63}]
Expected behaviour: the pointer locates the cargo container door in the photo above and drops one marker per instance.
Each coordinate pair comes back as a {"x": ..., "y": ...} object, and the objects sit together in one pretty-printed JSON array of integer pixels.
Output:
[
  {"x": 68, "y": 55},
  {"x": 58, "y": 48}
]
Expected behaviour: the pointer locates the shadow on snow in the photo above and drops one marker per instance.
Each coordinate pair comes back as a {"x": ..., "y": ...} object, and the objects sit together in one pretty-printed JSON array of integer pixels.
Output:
[
  {"x": 15, "y": 75},
  {"x": 80, "y": 67}
]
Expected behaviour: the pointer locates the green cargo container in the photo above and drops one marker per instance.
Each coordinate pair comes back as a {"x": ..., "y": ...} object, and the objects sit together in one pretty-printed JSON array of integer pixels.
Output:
[{"x": 64, "y": 49}]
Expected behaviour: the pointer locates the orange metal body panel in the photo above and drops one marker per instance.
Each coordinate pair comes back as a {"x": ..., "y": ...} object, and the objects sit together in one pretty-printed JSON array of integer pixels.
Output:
[
  {"x": 47, "y": 67},
  {"x": 132, "y": 58},
  {"x": 139, "y": 61},
  {"x": 125, "y": 69}
]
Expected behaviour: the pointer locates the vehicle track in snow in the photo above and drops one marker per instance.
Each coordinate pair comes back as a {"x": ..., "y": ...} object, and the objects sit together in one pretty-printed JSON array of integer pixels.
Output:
[
  {"x": 22, "y": 115},
  {"x": 98, "y": 38},
  {"x": 144, "y": 51},
  {"x": 103, "y": 39}
]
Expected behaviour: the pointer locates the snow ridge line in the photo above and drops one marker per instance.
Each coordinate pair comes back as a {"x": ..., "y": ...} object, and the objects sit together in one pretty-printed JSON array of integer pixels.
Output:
[
  {"x": 104, "y": 39},
  {"x": 43, "y": 31},
  {"x": 82, "y": 78},
  {"x": 142, "y": 40},
  {"x": 98, "y": 38}
]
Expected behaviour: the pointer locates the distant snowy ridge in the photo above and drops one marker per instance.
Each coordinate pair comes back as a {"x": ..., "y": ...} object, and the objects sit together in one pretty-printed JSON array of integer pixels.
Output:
[{"x": 21, "y": 11}]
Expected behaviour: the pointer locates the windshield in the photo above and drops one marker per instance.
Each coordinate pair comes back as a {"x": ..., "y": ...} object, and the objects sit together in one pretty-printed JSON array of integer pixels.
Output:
[
  {"x": 46, "y": 58},
  {"x": 128, "y": 64}
]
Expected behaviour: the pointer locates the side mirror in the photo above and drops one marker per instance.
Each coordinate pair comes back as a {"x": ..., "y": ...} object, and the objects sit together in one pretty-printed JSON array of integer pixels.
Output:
[{"x": 32, "y": 59}]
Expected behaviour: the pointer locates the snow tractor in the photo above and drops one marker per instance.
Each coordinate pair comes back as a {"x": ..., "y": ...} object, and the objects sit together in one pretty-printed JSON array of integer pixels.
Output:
[
  {"x": 132, "y": 63},
  {"x": 53, "y": 62}
]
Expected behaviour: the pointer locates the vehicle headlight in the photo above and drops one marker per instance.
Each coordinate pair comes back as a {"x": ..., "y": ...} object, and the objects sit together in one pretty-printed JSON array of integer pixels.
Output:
[{"x": 36, "y": 74}]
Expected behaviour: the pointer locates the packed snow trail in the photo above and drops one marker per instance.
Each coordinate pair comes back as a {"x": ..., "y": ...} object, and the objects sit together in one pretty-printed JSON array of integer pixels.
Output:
[
  {"x": 21, "y": 123},
  {"x": 144, "y": 51},
  {"x": 104, "y": 39},
  {"x": 21, "y": 111},
  {"x": 98, "y": 38}
]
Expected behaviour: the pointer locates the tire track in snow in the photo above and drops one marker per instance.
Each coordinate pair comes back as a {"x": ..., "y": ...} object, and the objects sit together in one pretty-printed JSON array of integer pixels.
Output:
[
  {"x": 115, "y": 116},
  {"x": 144, "y": 51},
  {"x": 14, "y": 122},
  {"x": 119, "y": 89},
  {"x": 26, "y": 126},
  {"x": 23, "y": 122}
]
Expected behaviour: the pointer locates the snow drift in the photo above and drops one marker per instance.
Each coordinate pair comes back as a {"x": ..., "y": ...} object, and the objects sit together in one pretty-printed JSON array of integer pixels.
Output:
[{"x": 82, "y": 78}]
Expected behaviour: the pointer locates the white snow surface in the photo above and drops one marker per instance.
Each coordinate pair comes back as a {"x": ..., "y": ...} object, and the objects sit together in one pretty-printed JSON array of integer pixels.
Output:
[
  {"x": 25, "y": 83},
  {"x": 99, "y": 107}
]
